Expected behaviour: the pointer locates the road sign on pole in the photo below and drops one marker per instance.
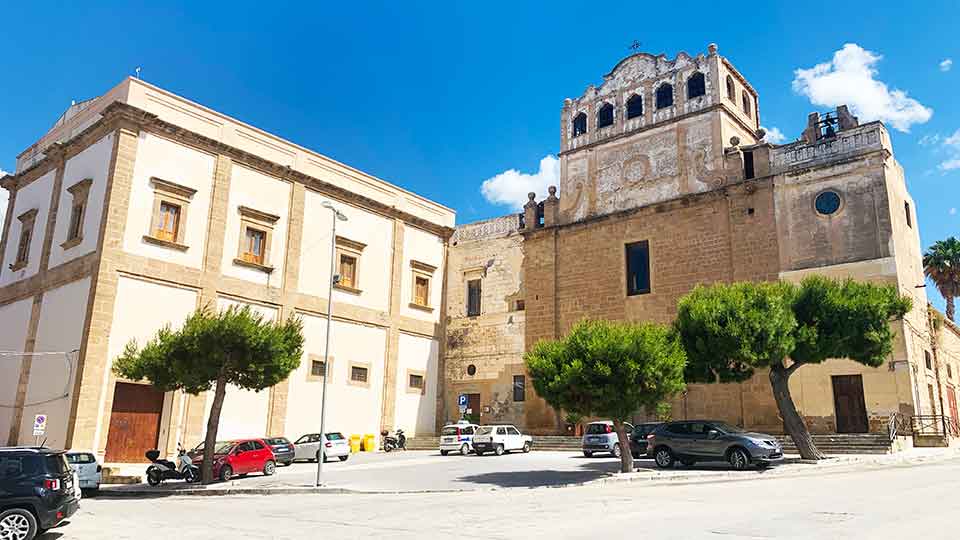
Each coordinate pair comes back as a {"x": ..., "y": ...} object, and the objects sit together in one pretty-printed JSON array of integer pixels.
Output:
[{"x": 462, "y": 403}]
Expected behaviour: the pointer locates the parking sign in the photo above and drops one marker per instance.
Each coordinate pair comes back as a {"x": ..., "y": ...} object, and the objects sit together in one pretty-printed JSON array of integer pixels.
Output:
[
  {"x": 462, "y": 400},
  {"x": 39, "y": 425}
]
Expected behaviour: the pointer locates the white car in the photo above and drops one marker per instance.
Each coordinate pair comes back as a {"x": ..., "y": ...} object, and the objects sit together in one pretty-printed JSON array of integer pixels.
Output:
[
  {"x": 457, "y": 438},
  {"x": 87, "y": 470},
  {"x": 499, "y": 439},
  {"x": 308, "y": 447}
]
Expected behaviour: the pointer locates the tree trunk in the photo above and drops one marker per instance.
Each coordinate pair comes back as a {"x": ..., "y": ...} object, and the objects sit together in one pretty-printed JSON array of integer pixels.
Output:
[
  {"x": 950, "y": 308},
  {"x": 626, "y": 456},
  {"x": 792, "y": 421},
  {"x": 209, "y": 443}
]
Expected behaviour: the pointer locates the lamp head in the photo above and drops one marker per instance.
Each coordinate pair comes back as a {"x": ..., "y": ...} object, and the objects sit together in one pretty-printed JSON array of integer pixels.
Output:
[{"x": 340, "y": 215}]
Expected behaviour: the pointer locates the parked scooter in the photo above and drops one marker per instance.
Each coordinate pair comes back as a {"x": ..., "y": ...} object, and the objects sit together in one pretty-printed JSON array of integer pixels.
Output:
[
  {"x": 393, "y": 442},
  {"x": 162, "y": 469}
]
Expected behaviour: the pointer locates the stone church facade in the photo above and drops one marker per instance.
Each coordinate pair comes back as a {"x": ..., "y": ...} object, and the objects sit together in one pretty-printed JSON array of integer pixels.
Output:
[{"x": 666, "y": 183}]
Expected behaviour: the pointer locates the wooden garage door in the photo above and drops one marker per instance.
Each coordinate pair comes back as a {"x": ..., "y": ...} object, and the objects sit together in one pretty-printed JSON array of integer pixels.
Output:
[
  {"x": 134, "y": 423},
  {"x": 849, "y": 404}
]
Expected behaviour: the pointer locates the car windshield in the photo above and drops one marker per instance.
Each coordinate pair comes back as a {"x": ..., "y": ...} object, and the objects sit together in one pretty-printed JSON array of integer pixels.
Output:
[
  {"x": 727, "y": 428},
  {"x": 449, "y": 430},
  {"x": 223, "y": 447},
  {"x": 77, "y": 459},
  {"x": 485, "y": 430},
  {"x": 56, "y": 464},
  {"x": 277, "y": 440},
  {"x": 335, "y": 436},
  {"x": 599, "y": 429}
]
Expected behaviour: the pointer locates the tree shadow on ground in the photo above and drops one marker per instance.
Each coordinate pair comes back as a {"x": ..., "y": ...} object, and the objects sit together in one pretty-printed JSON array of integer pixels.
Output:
[{"x": 531, "y": 479}]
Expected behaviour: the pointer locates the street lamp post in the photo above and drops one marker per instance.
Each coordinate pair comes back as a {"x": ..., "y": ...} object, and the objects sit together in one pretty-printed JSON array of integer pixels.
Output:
[{"x": 337, "y": 216}]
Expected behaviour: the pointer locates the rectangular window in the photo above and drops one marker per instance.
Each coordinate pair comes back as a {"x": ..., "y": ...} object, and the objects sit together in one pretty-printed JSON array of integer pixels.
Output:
[
  {"x": 255, "y": 245},
  {"x": 638, "y": 268},
  {"x": 348, "y": 264},
  {"x": 317, "y": 368},
  {"x": 348, "y": 270},
  {"x": 906, "y": 210},
  {"x": 519, "y": 387},
  {"x": 27, "y": 221},
  {"x": 473, "y": 297},
  {"x": 76, "y": 220},
  {"x": 358, "y": 374},
  {"x": 80, "y": 192},
  {"x": 949, "y": 371},
  {"x": 416, "y": 381},
  {"x": 520, "y": 305},
  {"x": 169, "y": 224},
  {"x": 421, "y": 292},
  {"x": 927, "y": 360},
  {"x": 748, "y": 172}
]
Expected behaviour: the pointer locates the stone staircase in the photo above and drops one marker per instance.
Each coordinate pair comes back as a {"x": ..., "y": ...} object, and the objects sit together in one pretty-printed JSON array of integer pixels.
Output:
[
  {"x": 540, "y": 442},
  {"x": 860, "y": 443}
]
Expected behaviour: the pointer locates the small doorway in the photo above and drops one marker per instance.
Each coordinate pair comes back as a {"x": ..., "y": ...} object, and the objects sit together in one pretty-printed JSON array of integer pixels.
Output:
[
  {"x": 473, "y": 408},
  {"x": 134, "y": 422},
  {"x": 952, "y": 402},
  {"x": 849, "y": 405}
]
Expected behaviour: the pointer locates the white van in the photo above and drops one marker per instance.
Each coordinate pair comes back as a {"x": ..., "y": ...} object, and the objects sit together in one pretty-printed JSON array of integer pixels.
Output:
[
  {"x": 457, "y": 438},
  {"x": 500, "y": 439},
  {"x": 85, "y": 465}
]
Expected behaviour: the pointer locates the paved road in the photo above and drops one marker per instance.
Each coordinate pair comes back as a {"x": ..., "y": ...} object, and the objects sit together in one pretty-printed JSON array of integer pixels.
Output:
[{"x": 919, "y": 501}]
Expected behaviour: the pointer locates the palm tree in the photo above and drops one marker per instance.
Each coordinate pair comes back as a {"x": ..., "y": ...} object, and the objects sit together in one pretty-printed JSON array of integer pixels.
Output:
[{"x": 941, "y": 263}]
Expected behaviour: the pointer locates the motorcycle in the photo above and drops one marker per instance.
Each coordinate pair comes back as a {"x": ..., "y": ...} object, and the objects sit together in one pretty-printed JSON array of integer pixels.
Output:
[
  {"x": 393, "y": 442},
  {"x": 162, "y": 469}
]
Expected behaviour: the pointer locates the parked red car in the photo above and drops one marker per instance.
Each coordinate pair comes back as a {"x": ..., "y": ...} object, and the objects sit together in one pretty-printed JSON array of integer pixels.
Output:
[{"x": 242, "y": 456}]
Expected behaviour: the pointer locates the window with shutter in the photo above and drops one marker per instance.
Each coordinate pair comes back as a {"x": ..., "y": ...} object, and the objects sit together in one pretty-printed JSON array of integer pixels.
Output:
[{"x": 473, "y": 297}]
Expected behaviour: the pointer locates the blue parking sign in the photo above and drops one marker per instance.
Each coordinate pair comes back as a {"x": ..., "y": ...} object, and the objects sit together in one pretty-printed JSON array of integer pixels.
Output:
[{"x": 462, "y": 400}]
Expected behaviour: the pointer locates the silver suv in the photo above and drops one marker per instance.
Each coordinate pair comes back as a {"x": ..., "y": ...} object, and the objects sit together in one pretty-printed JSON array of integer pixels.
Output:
[
  {"x": 691, "y": 441},
  {"x": 601, "y": 437}
]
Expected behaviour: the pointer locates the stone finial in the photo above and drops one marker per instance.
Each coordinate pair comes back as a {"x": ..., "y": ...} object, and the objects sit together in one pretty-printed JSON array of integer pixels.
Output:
[
  {"x": 712, "y": 48},
  {"x": 734, "y": 141},
  {"x": 532, "y": 199},
  {"x": 567, "y": 102},
  {"x": 553, "y": 192}
]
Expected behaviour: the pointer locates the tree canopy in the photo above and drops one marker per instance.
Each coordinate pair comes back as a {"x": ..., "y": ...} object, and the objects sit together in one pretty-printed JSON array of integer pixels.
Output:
[
  {"x": 610, "y": 370},
  {"x": 941, "y": 263}
]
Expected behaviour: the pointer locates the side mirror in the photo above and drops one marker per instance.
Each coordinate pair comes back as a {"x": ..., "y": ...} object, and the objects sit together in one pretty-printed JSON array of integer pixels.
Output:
[{"x": 713, "y": 434}]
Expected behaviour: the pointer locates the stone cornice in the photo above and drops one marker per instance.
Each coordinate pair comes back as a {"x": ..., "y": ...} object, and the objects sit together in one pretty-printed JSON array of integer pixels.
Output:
[{"x": 122, "y": 115}]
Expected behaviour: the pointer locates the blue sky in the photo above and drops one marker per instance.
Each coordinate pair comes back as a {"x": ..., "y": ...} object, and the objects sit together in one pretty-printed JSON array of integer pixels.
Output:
[{"x": 438, "y": 97}]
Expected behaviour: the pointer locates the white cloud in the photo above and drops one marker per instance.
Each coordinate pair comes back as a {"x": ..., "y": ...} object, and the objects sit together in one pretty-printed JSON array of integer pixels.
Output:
[
  {"x": 946, "y": 64},
  {"x": 510, "y": 187},
  {"x": 930, "y": 140},
  {"x": 952, "y": 146},
  {"x": 849, "y": 79},
  {"x": 774, "y": 135},
  {"x": 953, "y": 211}
]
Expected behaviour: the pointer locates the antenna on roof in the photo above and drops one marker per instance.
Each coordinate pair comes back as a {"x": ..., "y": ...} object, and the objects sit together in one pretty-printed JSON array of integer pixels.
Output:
[
  {"x": 137, "y": 72},
  {"x": 635, "y": 46}
]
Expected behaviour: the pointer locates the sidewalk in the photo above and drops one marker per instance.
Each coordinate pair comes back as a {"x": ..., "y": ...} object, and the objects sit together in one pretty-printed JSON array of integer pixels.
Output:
[{"x": 481, "y": 474}]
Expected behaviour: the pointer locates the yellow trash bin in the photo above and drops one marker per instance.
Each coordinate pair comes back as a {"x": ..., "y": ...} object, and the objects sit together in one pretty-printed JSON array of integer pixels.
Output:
[
  {"x": 355, "y": 441},
  {"x": 369, "y": 442}
]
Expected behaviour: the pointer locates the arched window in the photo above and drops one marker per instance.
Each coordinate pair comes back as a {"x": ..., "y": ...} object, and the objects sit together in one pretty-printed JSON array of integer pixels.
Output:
[
  {"x": 696, "y": 86},
  {"x": 745, "y": 98},
  {"x": 665, "y": 96},
  {"x": 605, "y": 116},
  {"x": 579, "y": 124},
  {"x": 634, "y": 106},
  {"x": 731, "y": 91}
]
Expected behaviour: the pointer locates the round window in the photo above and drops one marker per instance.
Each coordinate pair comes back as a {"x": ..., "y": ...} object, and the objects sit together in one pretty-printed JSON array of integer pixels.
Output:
[
  {"x": 471, "y": 370},
  {"x": 827, "y": 202}
]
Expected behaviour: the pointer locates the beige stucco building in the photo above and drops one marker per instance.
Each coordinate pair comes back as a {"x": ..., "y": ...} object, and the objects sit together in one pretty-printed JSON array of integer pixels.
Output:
[
  {"x": 666, "y": 183},
  {"x": 140, "y": 206}
]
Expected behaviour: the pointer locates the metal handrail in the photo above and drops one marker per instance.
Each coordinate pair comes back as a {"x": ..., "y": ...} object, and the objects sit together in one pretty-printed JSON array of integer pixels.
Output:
[
  {"x": 896, "y": 425},
  {"x": 934, "y": 424}
]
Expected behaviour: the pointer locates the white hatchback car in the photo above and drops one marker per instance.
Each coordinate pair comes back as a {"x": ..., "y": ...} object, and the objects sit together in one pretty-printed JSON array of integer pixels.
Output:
[
  {"x": 457, "y": 438},
  {"x": 500, "y": 439},
  {"x": 87, "y": 470},
  {"x": 308, "y": 447}
]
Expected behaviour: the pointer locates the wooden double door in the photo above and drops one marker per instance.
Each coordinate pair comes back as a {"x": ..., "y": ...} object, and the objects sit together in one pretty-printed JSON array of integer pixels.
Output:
[
  {"x": 849, "y": 404},
  {"x": 134, "y": 422}
]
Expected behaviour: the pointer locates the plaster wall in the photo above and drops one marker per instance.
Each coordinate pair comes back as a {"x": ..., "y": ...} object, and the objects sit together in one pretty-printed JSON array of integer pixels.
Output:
[
  {"x": 92, "y": 163},
  {"x": 35, "y": 195},
  {"x": 351, "y": 408},
  {"x": 416, "y": 411},
  {"x": 14, "y": 320},
  {"x": 253, "y": 189},
  {"x": 50, "y": 387},
  {"x": 173, "y": 162}
]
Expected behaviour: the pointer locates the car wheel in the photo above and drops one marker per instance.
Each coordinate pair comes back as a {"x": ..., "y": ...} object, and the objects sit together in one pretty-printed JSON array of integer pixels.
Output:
[
  {"x": 498, "y": 450},
  {"x": 587, "y": 454},
  {"x": 18, "y": 524},
  {"x": 739, "y": 459},
  {"x": 526, "y": 447},
  {"x": 269, "y": 468},
  {"x": 664, "y": 457},
  {"x": 343, "y": 458},
  {"x": 444, "y": 452},
  {"x": 226, "y": 473},
  {"x": 464, "y": 449},
  {"x": 616, "y": 450},
  {"x": 688, "y": 462}
]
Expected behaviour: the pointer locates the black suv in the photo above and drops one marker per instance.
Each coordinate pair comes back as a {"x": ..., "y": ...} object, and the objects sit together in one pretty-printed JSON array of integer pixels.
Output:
[
  {"x": 36, "y": 491},
  {"x": 691, "y": 441}
]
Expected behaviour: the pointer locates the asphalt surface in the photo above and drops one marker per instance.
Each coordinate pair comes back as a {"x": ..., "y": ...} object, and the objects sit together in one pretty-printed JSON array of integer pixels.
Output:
[{"x": 876, "y": 502}]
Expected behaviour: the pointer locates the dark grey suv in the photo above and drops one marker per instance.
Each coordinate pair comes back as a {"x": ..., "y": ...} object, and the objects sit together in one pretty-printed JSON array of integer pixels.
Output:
[{"x": 691, "y": 441}]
